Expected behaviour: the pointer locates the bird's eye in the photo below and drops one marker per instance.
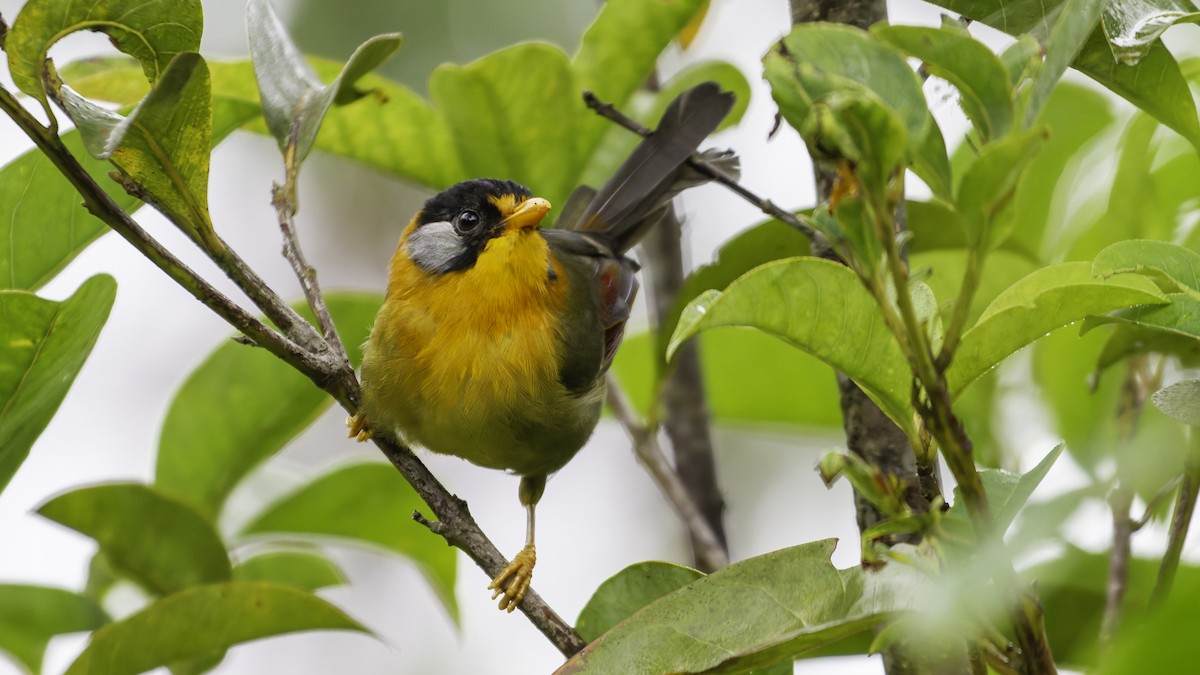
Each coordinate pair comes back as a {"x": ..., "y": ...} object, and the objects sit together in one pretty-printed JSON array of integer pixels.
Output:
[{"x": 466, "y": 221}]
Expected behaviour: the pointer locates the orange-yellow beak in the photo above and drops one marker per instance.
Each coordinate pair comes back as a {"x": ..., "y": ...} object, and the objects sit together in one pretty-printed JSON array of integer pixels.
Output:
[{"x": 527, "y": 215}]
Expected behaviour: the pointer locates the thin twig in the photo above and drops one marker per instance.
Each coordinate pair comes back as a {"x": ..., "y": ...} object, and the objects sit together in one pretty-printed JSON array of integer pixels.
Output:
[
  {"x": 1120, "y": 502},
  {"x": 1134, "y": 391},
  {"x": 306, "y": 274},
  {"x": 609, "y": 111},
  {"x": 283, "y": 198},
  {"x": 709, "y": 550}
]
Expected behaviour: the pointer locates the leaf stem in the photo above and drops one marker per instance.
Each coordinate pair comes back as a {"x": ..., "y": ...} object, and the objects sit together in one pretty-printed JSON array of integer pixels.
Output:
[
  {"x": 1181, "y": 520},
  {"x": 962, "y": 309}
]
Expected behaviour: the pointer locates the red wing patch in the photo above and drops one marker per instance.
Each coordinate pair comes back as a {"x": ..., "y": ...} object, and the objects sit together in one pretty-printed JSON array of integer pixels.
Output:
[{"x": 618, "y": 287}]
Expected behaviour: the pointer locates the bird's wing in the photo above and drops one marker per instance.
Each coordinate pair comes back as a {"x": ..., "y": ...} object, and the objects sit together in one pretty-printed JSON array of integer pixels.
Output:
[{"x": 607, "y": 284}]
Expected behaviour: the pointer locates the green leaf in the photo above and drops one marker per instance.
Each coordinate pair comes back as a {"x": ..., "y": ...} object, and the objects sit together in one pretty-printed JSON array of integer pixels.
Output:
[
  {"x": 1128, "y": 340},
  {"x": 163, "y": 145},
  {"x": 978, "y": 74},
  {"x": 752, "y": 614},
  {"x": 1181, "y": 315},
  {"x": 820, "y": 307},
  {"x": 515, "y": 113},
  {"x": 157, "y": 541},
  {"x": 1065, "y": 40},
  {"x": 1176, "y": 265},
  {"x": 152, "y": 31},
  {"x": 1046, "y": 299},
  {"x": 1180, "y": 401},
  {"x": 1022, "y": 59},
  {"x": 988, "y": 185},
  {"x": 947, "y": 267},
  {"x": 1010, "y": 504},
  {"x": 1135, "y": 209},
  {"x": 817, "y": 59},
  {"x": 31, "y": 615},
  {"x": 1156, "y": 84},
  {"x": 242, "y": 406},
  {"x": 294, "y": 99},
  {"x": 43, "y": 344},
  {"x": 762, "y": 243},
  {"x": 860, "y": 128},
  {"x": 298, "y": 569},
  {"x": 1133, "y": 25},
  {"x": 396, "y": 117},
  {"x": 629, "y": 590},
  {"x": 199, "y": 622},
  {"x": 366, "y": 503},
  {"x": 1075, "y": 116},
  {"x": 750, "y": 378},
  {"x": 612, "y": 66},
  {"x": 42, "y": 225}
]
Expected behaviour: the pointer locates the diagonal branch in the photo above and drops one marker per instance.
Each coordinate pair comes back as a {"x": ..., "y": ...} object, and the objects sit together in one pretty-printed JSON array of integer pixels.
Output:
[{"x": 709, "y": 549}]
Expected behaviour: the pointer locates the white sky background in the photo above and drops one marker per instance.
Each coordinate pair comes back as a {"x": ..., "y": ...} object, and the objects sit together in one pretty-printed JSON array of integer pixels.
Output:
[{"x": 598, "y": 515}]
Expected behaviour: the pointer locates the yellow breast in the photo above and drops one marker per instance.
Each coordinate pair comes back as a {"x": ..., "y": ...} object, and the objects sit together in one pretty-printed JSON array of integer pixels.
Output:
[{"x": 461, "y": 362}]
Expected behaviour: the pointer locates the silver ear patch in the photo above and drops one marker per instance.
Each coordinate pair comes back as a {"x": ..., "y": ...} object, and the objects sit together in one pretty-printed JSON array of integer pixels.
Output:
[{"x": 435, "y": 246}]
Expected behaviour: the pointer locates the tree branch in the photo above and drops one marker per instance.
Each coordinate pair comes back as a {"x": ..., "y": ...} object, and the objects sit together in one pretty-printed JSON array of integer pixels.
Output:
[
  {"x": 708, "y": 548},
  {"x": 1135, "y": 389},
  {"x": 610, "y": 112}
]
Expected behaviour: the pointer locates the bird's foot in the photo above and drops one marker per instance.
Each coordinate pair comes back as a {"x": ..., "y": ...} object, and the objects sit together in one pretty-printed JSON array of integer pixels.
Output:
[
  {"x": 513, "y": 581},
  {"x": 358, "y": 427}
]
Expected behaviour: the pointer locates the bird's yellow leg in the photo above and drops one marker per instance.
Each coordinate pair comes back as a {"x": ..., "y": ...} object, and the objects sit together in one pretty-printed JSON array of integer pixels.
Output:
[
  {"x": 358, "y": 427},
  {"x": 513, "y": 581}
]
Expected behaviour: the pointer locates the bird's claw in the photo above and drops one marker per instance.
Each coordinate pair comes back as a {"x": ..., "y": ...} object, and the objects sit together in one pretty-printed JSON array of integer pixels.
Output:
[
  {"x": 358, "y": 427},
  {"x": 513, "y": 581}
]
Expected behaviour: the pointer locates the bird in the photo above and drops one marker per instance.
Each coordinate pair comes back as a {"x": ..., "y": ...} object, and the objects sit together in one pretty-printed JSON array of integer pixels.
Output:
[{"x": 495, "y": 335}]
